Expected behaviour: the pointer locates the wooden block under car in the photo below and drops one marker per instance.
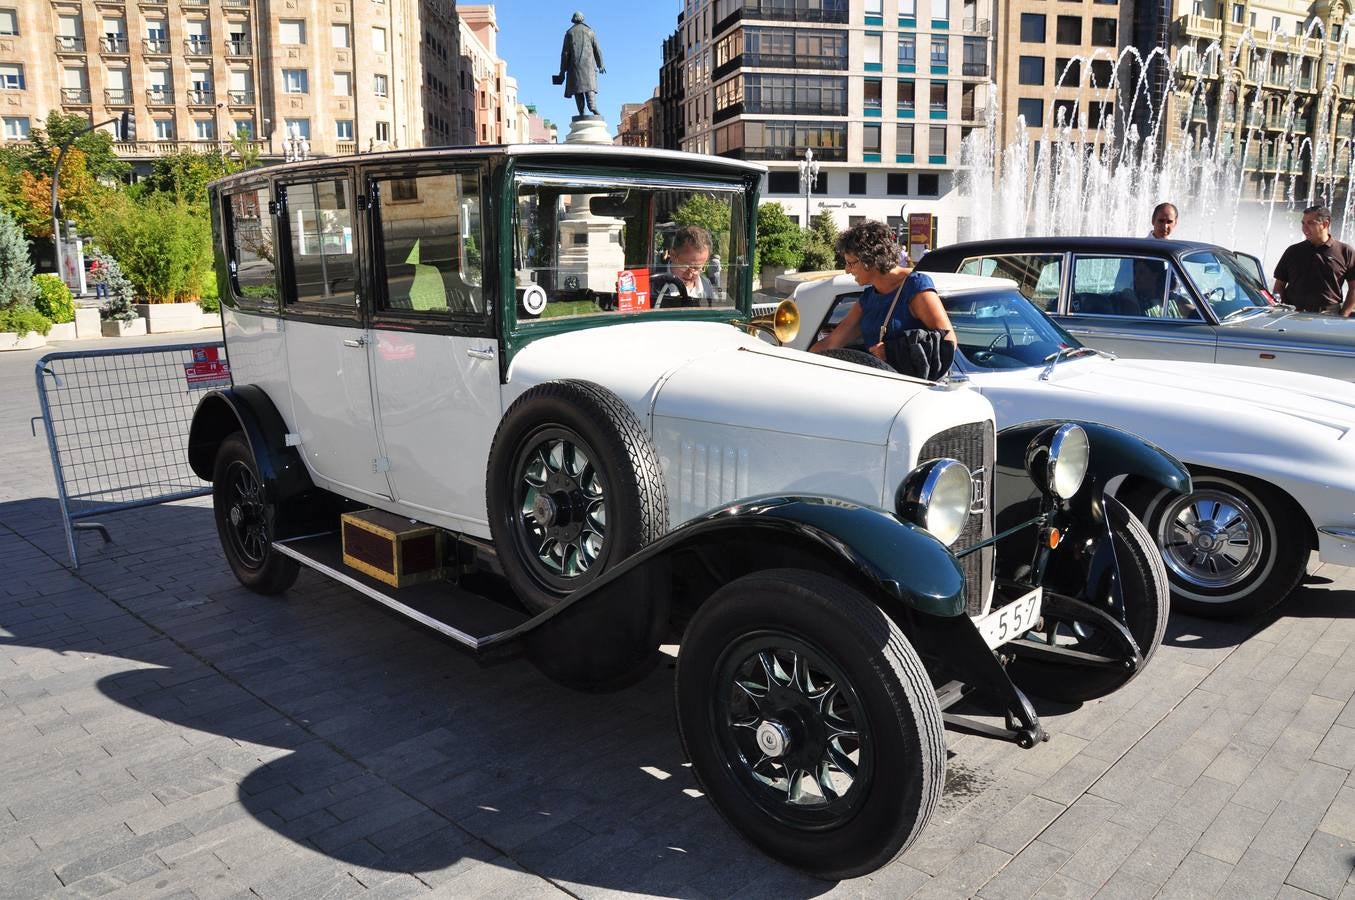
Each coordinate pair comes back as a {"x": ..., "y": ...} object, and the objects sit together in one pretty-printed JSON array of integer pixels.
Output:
[{"x": 390, "y": 548}]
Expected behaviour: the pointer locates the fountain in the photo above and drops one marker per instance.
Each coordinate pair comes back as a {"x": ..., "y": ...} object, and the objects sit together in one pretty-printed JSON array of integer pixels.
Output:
[{"x": 1106, "y": 179}]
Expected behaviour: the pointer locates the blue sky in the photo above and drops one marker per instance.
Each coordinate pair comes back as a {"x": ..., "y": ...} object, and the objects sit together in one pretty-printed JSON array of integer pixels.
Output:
[{"x": 631, "y": 33}]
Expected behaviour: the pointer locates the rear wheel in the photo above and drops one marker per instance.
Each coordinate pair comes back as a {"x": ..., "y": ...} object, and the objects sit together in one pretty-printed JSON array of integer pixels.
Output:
[
  {"x": 810, "y": 722},
  {"x": 245, "y": 517}
]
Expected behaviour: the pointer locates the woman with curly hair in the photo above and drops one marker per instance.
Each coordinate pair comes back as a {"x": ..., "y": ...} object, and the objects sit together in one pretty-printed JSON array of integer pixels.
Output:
[{"x": 871, "y": 256}]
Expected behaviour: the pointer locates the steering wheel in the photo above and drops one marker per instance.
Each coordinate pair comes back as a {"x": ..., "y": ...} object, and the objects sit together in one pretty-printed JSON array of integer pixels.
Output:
[
  {"x": 659, "y": 294},
  {"x": 1004, "y": 336},
  {"x": 1214, "y": 295}
]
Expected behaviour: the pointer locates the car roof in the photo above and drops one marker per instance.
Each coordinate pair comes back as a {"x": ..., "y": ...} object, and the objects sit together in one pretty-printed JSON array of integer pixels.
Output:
[
  {"x": 619, "y": 156},
  {"x": 1066, "y": 243}
]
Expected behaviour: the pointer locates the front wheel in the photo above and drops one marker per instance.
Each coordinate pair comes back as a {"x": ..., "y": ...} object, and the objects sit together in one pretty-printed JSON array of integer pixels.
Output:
[
  {"x": 1233, "y": 547},
  {"x": 810, "y": 722},
  {"x": 245, "y": 517}
]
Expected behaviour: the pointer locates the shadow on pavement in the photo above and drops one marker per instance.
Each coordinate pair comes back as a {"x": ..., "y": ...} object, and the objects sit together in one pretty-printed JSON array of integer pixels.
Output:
[{"x": 375, "y": 742}]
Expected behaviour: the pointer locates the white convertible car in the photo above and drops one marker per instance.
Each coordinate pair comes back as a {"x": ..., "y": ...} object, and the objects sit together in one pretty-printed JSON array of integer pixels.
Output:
[{"x": 1271, "y": 454}]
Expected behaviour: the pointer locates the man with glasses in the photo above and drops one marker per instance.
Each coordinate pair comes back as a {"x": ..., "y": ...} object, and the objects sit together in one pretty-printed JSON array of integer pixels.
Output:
[
  {"x": 685, "y": 283},
  {"x": 1311, "y": 274}
]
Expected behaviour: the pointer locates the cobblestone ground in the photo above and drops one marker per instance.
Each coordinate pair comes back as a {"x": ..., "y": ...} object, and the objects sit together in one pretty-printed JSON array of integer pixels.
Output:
[{"x": 168, "y": 734}]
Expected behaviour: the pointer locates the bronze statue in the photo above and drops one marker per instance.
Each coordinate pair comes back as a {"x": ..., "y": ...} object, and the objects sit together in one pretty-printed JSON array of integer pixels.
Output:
[{"x": 580, "y": 65}]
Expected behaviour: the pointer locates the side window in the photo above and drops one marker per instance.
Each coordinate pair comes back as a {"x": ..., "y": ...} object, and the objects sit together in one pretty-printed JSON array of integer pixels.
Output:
[
  {"x": 1178, "y": 304},
  {"x": 252, "y": 264},
  {"x": 1037, "y": 276},
  {"x": 1119, "y": 286},
  {"x": 431, "y": 244},
  {"x": 320, "y": 219}
]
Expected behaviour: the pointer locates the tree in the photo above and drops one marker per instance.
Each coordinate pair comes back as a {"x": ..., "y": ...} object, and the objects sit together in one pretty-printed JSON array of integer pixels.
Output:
[
  {"x": 820, "y": 239},
  {"x": 709, "y": 213},
  {"x": 79, "y": 194},
  {"x": 163, "y": 243},
  {"x": 16, "y": 269},
  {"x": 185, "y": 174},
  {"x": 778, "y": 238},
  {"x": 96, "y": 145}
]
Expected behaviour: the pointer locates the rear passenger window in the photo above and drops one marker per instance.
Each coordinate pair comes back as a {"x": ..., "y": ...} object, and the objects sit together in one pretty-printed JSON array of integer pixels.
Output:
[
  {"x": 320, "y": 219},
  {"x": 1038, "y": 276},
  {"x": 1119, "y": 286},
  {"x": 432, "y": 244},
  {"x": 253, "y": 275}
]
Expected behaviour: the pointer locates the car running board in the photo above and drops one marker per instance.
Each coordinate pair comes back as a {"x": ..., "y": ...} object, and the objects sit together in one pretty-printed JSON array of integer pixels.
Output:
[{"x": 471, "y": 620}]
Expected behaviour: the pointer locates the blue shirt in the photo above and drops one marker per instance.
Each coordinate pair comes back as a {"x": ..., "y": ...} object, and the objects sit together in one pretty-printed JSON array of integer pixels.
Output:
[{"x": 874, "y": 305}]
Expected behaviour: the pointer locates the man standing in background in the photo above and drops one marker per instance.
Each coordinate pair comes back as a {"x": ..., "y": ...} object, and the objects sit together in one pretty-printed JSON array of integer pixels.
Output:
[
  {"x": 1311, "y": 274},
  {"x": 1164, "y": 221}
]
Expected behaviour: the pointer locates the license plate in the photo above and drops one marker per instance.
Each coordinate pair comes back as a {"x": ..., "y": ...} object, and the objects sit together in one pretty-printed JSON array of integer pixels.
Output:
[{"x": 1011, "y": 621}]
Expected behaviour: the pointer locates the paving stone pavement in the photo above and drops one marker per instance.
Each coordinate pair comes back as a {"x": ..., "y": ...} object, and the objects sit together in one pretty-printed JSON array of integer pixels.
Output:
[{"x": 167, "y": 733}]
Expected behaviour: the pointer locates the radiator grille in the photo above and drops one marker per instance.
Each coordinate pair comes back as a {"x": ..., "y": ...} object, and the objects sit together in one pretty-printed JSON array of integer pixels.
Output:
[{"x": 975, "y": 445}]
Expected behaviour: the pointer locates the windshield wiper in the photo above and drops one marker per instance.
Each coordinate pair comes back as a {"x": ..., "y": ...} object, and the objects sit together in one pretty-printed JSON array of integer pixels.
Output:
[
  {"x": 1240, "y": 310},
  {"x": 1052, "y": 359}
]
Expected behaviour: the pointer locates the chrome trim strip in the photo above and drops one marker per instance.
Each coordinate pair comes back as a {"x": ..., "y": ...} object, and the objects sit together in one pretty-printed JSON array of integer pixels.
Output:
[
  {"x": 386, "y": 600},
  {"x": 1122, "y": 336},
  {"x": 1290, "y": 347},
  {"x": 1338, "y": 531}
]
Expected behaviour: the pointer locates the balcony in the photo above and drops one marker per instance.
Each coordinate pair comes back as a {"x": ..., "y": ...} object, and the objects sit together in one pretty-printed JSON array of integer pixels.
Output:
[
  {"x": 75, "y": 96},
  {"x": 193, "y": 4},
  {"x": 975, "y": 26},
  {"x": 197, "y": 47},
  {"x": 235, "y": 4},
  {"x": 345, "y": 148},
  {"x": 726, "y": 67},
  {"x": 155, "y": 46},
  {"x": 170, "y": 148},
  {"x": 794, "y": 61},
  {"x": 239, "y": 48},
  {"x": 70, "y": 43},
  {"x": 240, "y": 98},
  {"x": 1199, "y": 26},
  {"x": 202, "y": 97},
  {"x": 826, "y": 154},
  {"x": 116, "y": 44},
  {"x": 117, "y": 97},
  {"x": 970, "y": 114},
  {"x": 974, "y": 70},
  {"x": 776, "y": 11},
  {"x": 159, "y": 97}
]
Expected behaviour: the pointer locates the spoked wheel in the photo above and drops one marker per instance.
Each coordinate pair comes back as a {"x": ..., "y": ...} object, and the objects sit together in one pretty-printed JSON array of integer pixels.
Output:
[
  {"x": 1096, "y": 629},
  {"x": 1233, "y": 546},
  {"x": 561, "y": 506},
  {"x": 244, "y": 520},
  {"x": 810, "y": 722}
]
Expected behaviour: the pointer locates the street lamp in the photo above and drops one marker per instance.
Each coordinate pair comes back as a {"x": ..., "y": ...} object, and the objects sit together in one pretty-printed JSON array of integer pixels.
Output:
[
  {"x": 809, "y": 173},
  {"x": 125, "y": 124},
  {"x": 295, "y": 147}
]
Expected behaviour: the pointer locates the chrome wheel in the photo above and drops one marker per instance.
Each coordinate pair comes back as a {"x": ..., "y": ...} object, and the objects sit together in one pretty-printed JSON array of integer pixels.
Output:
[
  {"x": 792, "y": 731},
  {"x": 561, "y": 508},
  {"x": 246, "y": 515},
  {"x": 1211, "y": 538}
]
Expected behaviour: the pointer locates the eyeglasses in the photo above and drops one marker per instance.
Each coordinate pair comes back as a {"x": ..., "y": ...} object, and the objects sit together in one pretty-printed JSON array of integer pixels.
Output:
[
  {"x": 690, "y": 266},
  {"x": 849, "y": 263}
]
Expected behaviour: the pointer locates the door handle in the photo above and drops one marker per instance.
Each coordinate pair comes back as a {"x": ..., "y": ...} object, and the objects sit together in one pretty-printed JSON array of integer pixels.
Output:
[
  {"x": 355, "y": 342},
  {"x": 480, "y": 353}
]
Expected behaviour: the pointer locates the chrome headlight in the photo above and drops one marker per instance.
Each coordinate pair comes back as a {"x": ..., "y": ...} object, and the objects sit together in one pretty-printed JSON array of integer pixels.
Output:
[
  {"x": 937, "y": 495},
  {"x": 1057, "y": 460}
]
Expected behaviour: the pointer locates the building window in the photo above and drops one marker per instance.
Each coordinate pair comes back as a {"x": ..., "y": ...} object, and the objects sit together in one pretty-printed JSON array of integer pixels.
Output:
[
  {"x": 343, "y": 84},
  {"x": 11, "y": 77},
  {"x": 298, "y": 128},
  {"x": 9, "y": 24},
  {"x": 1103, "y": 32},
  {"x": 1102, "y": 70},
  {"x": 1069, "y": 30},
  {"x": 383, "y": 131},
  {"x": 1032, "y": 111},
  {"x": 928, "y": 185},
  {"x": 204, "y": 129},
  {"x": 874, "y": 7},
  {"x": 908, "y": 8},
  {"x": 938, "y": 96},
  {"x": 783, "y": 183},
  {"x": 343, "y": 129},
  {"x": 338, "y": 36},
  {"x": 1032, "y": 28},
  {"x": 940, "y": 50},
  {"x": 1031, "y": 70},
  {"x": 896, "y": 183},
  {"x": 936, "y": 141},
  {"x": 124, "y": 134},
  {"x": 379, "y": 39},
  {"x": 379, "y": 85},
  {"x": 870, "y": 139},
  {"x": 940, "y": 9},
  {"x": 164, "y": 129},
  {"x": 1068, "y": 72},
  {"x": 872, "y": 47},
  {"x": 294, "y": 81},
  {"x": 1065, "y": 112},
  {"x": 907, "y": 50},
  {"x": 245, "y": 128},
  {"x": 873, "y": 93},
  {"x": 903, "y": 145},
  {"x": 1275, "y": 24},
  {"x": 907, "y": 95},
  {"x": 856, "y": 182},
  {"x": 291, "y": 31},
  {"x": 16, "y": 128}
]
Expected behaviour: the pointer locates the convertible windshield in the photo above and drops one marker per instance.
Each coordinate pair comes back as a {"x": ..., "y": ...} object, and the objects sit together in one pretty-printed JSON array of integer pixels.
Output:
[
  {"x": 584, "y": 247},
  {"x": 1002, "y": 330},
  {"x": 1226, "y": 286}
]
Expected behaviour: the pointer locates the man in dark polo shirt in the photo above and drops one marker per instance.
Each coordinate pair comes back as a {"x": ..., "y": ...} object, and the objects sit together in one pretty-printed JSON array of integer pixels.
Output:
[{"x": 1318, "y": 273}]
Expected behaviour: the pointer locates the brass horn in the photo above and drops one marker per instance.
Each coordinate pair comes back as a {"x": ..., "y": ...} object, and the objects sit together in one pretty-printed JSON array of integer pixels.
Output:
[{"x": 783, "y": 323}]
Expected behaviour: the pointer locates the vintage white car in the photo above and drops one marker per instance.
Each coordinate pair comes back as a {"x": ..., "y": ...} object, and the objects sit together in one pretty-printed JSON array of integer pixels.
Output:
[
  {"x": 1271, "y": 453},
  {"x": 447, "y": 363}
]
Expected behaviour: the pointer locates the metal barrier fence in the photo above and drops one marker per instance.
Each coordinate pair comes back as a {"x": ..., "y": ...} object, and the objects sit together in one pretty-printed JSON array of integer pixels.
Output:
[{"x": 117, "y": 427}]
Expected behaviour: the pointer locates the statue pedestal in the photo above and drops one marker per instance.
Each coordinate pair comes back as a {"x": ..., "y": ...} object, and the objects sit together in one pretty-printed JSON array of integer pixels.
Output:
[{"x": 590, "y": 245}]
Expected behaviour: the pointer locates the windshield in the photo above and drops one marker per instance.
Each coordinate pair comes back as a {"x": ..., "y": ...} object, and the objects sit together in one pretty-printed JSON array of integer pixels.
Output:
[
  {"x": 585, "y": 247},
  {"x": 1223, "y": 283},
  {"x": 1003, "y": 330}
]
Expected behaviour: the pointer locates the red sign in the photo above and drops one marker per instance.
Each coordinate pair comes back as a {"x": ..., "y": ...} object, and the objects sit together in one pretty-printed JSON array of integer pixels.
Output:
[
  {"x": 207, "y": 369},
  {"x": 632, "y": 290},
  {"x": 920, "y": 229}
]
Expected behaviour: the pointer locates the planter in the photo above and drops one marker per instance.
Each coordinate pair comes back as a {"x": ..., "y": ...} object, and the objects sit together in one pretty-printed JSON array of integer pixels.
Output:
[
  {"x": 31, "y": 340},
  {"x": 211, "y": 320},
  {"x": 120, "y": 328},
  {"x": 769, "y": 274},
  {"x": 63, "y": 331},
  {"x": 87, "y": 322},
  {"x": 161, "y": 317}
]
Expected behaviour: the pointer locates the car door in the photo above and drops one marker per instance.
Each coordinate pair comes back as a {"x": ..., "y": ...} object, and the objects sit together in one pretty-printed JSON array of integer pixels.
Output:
[
  {"x": 326, "y": 337},
  {"x": 1135, "y": 306},
  {"x": 435, "y": 353}
]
